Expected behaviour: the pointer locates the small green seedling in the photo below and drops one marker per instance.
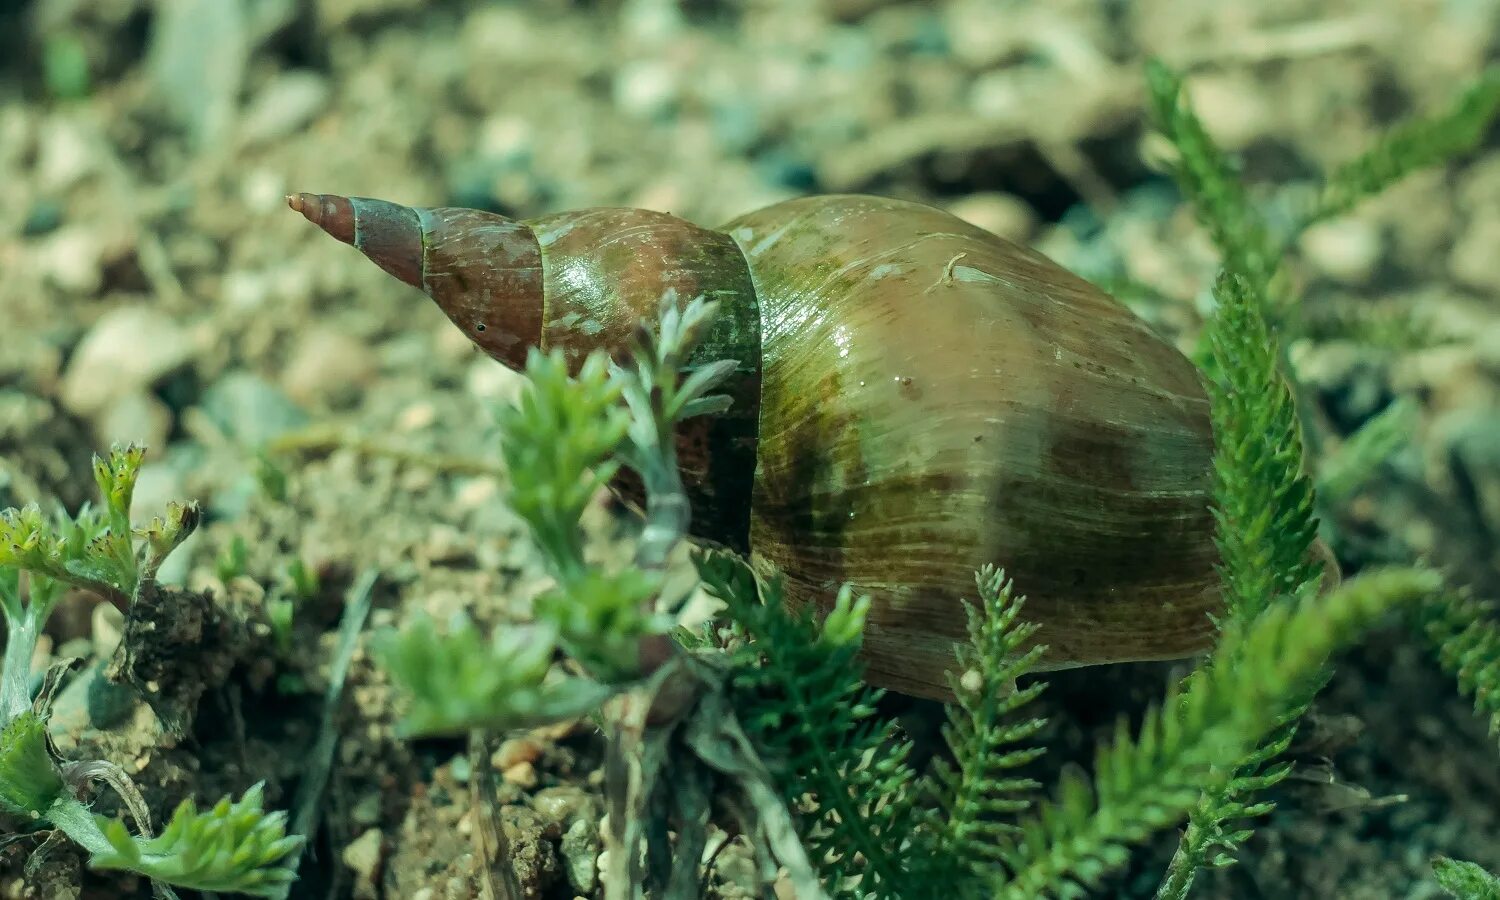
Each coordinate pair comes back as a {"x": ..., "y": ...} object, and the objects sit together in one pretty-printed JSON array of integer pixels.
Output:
[{"x": 235, "y": 847}]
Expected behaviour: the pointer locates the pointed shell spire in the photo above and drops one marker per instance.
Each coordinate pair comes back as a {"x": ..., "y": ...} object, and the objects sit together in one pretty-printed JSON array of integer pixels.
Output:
[{"x": 482, "y": 269}]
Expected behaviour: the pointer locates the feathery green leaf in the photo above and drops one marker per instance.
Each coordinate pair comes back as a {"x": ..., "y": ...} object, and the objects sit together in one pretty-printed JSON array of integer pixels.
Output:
[
  {"x": 978, "y": 795},
  {"x": 1149, "y": 782},
  {"x": 1412, "y": 145},
  {"x": 802, "y": 702},
  {"x": 1465, "y": 634},
  {"x": 1465, "y": 880},
  {"x": 1263, "y": 499}
]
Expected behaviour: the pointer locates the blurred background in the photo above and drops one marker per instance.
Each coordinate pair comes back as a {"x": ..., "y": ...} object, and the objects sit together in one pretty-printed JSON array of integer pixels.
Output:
[{"x": 154, "y": 287}]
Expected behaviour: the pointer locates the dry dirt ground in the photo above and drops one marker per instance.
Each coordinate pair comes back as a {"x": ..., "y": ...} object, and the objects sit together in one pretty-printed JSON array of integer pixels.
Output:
[{"x": 155, "y": 288}]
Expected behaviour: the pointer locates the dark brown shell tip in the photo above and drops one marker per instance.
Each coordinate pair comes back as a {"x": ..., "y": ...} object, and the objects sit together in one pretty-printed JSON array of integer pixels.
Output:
[{"x": 330, "y": 212}]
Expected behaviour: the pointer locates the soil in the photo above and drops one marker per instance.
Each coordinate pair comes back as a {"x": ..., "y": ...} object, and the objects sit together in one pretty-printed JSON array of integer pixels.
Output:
[{"x": 157, "y": 289}]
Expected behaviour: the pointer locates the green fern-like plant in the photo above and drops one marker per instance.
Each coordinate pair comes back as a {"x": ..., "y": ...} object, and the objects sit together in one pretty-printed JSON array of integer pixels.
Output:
[
  {"x": 1224, "y": 710},
  {"x": 1264, "y": 499},
  {"x": 1465, "y": 880},
  {"x": 1464, "y": 633},
  {"x": 812, "y": 718},
  {"x": 1407, "y": 148},
  {"x": 978, "y": 796}
]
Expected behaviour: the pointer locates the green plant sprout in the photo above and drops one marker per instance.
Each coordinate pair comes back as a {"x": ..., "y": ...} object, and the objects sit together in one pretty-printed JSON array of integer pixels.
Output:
[
  {"x": 235, "y": 846},
  {"x": 1465, "y": 880}
]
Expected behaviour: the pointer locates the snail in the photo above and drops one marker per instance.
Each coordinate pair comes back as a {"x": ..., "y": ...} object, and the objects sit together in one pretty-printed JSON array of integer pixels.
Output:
[{"x": 915, "y": 397}]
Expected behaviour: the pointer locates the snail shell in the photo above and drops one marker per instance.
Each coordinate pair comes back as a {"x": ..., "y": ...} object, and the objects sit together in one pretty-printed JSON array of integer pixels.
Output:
[{"x": 916, "y": 398}]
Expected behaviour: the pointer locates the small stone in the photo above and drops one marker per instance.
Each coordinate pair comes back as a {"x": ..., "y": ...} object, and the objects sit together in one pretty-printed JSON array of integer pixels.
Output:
[
  {"x": 445, "y": 545},
  {"x": 107, "y": 625},
  {"x": 515, "y": 750},
  {"x": 1235, "y": 108},
  {"x": 286, "y": 105},
  {"x": 489, "y": 380},
  {"x": 71, "y": 258},
  {"x": 126, "y": 351},
  {"x": 138, "y": 418},
  {"x": 980, "y": 33},
  {"x": 363, "y": 854},
  {"x": 367, "y": 811},
  {"x": 1001, "y": 214},
  {"x": 416, "y": 417},
  {"x": 522, "y": 775},
  {"x": 249, "y": 409},
  {"x": 1348, "y": 249},
  {"x": 65, "y": 154},
  {"x": 646, "y": 88},
  {"x": 580, "y": 852},
  {"x": 475, "y": 493},
  {"x": 563, "y": 803},
  {"x": 1472, "y": 260},
  {"x": 327, "y": 366}
]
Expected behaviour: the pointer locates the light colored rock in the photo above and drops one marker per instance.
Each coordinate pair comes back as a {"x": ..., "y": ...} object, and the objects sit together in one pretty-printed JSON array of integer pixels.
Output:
[
  {"x": 1346, "y": 249},
  {"x": 138, "y": 418},
  {"x": 363, "y": 854},
  {"x": 126, "y": 351},
  {"x": 66, "y": 153},
  {"x": 107, "y": 625},
  {"x": 489, "y": 380},
  {"x": 1002, "y": 214},
  {"x": 72, "y": 257},
  {"x": 286, "y": 105},
  {"x": 1473, "y": 258},
  {"x": 327, "y": 365}
]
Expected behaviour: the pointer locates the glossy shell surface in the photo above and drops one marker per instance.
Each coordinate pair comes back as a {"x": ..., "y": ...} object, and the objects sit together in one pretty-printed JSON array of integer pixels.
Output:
[{"x": 934, "y": 399}]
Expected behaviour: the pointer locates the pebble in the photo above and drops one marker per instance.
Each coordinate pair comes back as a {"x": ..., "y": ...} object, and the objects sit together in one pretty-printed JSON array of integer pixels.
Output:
[
  {"x": 522, "y": 775},
  {"x": 65, "y": 154},
  {"x": 138, "y": 418},
  {"x": 646, "y": 88},
  {"x": 1347, "y": 249},
  {"x": 126, "y": 351},
  {"x": 563, "y": 803},
  {"x": 72, "y": 258},
  {"x": 579, "y": 849},
  {"x": 107, "y": 626},
  {"x": 998, "y": 213},
  {"x": 514, "y": 751},
  {"x": 1472, "y": 260},
  {"x": 1234, "y": 108},
  {"x": 363, "y": 854},
  {"x": 327, "y": 366},
  {"x": 287, "y": 105},
  {"x": 980, "y": 33},
  {"x": 416, "y": 417},
  {"x": 446, "y": 545},
  {"x": 489, "y": 380},
  {"x": 251, "y": 410}
]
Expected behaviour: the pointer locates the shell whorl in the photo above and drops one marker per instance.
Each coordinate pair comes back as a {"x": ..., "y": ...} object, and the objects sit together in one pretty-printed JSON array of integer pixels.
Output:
[{"x": 935, "y": 399}]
